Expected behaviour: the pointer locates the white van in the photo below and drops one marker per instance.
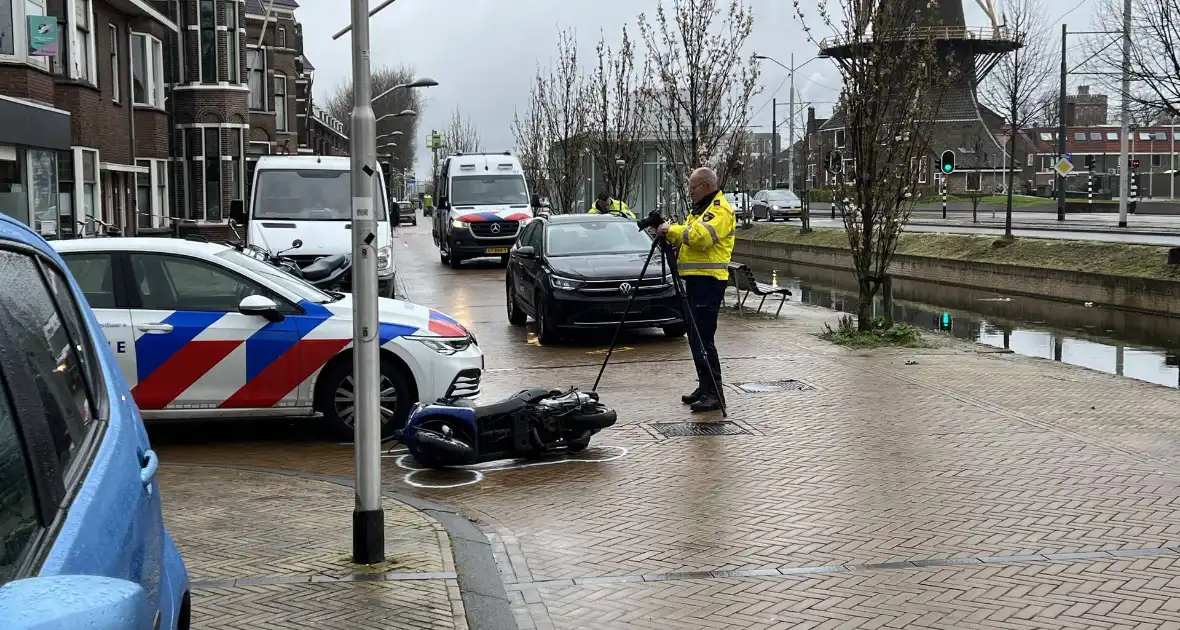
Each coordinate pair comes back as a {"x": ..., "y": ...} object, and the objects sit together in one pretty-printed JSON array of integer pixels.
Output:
[
  {"x": 309, "y": 198},
  {"x": 482, "y": 200}
]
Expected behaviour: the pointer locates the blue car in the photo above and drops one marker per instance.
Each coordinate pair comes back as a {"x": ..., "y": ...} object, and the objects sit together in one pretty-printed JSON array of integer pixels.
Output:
[{"x": 82, "y": 538}]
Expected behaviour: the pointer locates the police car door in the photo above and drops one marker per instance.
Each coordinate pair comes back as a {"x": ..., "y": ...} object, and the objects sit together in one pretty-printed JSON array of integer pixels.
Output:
[
  {"x": 194, "y": 350},
  {"x": 96, "y": 273}
]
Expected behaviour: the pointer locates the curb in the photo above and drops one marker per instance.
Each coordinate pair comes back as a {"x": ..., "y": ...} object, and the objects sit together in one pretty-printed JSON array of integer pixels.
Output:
[
  {"x": 485, "y": 600},
  {"x": 1046, "y": 228}
]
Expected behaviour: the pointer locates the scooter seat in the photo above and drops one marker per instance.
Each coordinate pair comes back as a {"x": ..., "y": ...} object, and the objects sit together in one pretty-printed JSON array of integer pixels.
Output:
[
  {"x": 324, "y": 267},
  {"x": 512, "y": 404}
]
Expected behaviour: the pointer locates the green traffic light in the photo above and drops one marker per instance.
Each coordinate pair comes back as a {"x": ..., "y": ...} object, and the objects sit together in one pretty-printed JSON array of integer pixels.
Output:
[
  {"x": 946, "y": 319},
  {"x": 946, "y": 168}
]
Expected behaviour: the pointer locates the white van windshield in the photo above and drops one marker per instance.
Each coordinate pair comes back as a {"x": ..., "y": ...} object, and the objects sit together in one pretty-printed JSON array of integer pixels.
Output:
[
  {"x": 308, "y": 195},
  {"x": 488, "y": 190}
]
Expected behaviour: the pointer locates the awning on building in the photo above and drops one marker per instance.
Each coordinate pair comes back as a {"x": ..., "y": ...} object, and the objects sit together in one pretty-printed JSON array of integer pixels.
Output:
[{"x": 33, "y": 124}]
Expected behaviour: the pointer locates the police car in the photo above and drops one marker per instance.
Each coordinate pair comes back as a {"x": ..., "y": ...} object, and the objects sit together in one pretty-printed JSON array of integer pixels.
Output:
[{"x": 205, "y": 331}]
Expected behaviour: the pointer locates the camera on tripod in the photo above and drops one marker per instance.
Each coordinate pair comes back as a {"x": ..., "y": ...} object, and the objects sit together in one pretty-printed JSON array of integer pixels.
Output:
[{"x": 652, "y": 220}]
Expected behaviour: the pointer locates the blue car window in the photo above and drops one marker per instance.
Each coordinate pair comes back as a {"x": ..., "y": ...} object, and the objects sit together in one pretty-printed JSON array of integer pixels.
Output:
[
  {"x": 76, "y": 329},
  {"x": 18, "y": 511},
  {"x": 50, "y": 355}
]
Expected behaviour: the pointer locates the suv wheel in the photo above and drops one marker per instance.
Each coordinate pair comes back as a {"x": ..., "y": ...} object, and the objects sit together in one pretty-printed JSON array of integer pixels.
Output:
[
  {"x": 516, "y": 316},
  {"x": 546, "y": 332}
]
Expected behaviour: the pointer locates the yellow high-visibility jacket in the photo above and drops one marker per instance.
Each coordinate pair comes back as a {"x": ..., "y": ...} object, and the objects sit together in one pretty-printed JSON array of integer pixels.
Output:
[
  {"x": 704, "y": 242},
  {"x": 618, "y": 208}
]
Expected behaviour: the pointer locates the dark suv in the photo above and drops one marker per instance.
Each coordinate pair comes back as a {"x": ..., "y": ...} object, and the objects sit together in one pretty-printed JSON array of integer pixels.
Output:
[{"x": 577, "y": 271}]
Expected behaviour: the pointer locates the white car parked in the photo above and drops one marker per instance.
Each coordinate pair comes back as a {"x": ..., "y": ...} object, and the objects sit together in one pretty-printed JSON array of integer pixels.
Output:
[{"x": 203, "y": 331}]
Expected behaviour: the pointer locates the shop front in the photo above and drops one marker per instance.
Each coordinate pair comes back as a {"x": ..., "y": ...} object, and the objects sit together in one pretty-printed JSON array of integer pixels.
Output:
[{"x": 34, "y": 139}]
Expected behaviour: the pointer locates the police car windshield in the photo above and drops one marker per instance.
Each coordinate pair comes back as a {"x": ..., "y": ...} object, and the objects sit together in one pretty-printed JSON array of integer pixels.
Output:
[
  {"x": 590, "y": 238},
  {"x": 308, "y": 195},
  {"x": 256, "y": 267},
  {"x": 488, "y": 190}
]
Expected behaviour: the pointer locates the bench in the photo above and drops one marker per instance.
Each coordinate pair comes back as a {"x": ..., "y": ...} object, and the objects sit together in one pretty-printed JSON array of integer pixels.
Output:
[{"x": 739, "y": 272}]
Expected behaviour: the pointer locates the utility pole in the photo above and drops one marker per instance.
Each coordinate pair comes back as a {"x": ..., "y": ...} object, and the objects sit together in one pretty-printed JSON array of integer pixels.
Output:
[
  {"x": 791, "y": 139},
  {"x": 1125, "y": 118},
  {"x": 1061, "y": 130},
  {"x": 773, "y": 143},
  {"x": 368, "y": 518}
]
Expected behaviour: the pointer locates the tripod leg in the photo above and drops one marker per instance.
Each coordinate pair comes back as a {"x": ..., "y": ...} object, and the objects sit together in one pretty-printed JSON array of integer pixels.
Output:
[{"x": 615, "y": 337}]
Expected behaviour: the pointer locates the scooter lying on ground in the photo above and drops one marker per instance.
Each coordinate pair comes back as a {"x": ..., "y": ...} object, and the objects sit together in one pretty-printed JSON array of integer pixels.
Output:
[{"x": 529, "y": 424}]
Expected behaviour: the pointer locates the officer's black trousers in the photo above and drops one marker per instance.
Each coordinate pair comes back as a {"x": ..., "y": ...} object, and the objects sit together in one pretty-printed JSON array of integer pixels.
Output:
[{"x": 705, "y": 295}]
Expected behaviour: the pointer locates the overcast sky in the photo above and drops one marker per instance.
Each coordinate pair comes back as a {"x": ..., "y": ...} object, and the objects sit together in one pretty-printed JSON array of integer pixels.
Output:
[{"x": 484, "y": 53}]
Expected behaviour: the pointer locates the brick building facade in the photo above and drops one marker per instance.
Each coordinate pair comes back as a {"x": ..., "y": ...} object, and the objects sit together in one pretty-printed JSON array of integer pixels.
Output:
[{"x": 148, "y": 114}]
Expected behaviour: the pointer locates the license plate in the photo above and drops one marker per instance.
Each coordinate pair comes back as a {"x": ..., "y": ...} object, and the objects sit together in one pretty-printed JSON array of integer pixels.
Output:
[{"x": 497, "y": 250}]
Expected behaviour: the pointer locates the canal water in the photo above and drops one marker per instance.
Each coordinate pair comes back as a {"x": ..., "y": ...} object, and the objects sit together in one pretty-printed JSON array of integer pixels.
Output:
[{"x": 1135, "y": 345}]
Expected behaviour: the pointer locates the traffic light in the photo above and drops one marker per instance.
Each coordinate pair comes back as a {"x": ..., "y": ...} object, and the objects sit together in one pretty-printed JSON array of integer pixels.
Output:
[
  {"x": 948, "y": 162},
  {"x": 835, "y": 162},
  {"x": 1090, "y": 162},
  {"x": 944, "y": 322},
  {"x": 1134, "y": 163}
]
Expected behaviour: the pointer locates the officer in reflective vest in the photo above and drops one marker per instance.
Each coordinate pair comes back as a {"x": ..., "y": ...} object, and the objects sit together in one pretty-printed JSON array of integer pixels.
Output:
[
  {"x": 605, "y": 205},
  {"x": 704, "y": 245}
]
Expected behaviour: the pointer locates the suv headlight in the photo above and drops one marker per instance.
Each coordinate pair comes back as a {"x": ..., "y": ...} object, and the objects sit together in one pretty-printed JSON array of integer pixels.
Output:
[
  {"x": 445, "y": 346},
  {"x": 385, "y": 258},
  {"x": 564, "y": 283}
]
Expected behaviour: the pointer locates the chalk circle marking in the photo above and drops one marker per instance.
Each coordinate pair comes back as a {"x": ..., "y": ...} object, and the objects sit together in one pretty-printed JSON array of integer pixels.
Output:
[{"x": 477, "y": 471}]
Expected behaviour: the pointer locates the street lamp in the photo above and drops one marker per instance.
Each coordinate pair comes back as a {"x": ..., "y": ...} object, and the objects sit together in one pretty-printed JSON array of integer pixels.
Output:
[
  {"x": 404, "y": 112},
  {"x": 416, "y": 83},
  {"x": 791, "y": 108},
  {"x": 392, "y": 133}
]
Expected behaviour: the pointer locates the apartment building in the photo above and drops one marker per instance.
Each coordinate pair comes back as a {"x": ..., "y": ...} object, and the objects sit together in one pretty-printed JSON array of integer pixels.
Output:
[{"x": 83, "y": 123}]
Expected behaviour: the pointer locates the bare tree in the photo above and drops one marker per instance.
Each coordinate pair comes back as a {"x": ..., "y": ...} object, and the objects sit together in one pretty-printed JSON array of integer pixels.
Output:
[
  {"x": 701, "y": 85},
  {"x": 1017, "y": 81},
  {"x": 532, "y": 150},
  {"x": 1155, "y": 54},
  {"x": 616, "y": 115},
  {"x": 461, "y": 135},
  {"x": 891, "y": 70},
  {"x": 560, "y": 100},
  {"x": 403, "y": 155}
]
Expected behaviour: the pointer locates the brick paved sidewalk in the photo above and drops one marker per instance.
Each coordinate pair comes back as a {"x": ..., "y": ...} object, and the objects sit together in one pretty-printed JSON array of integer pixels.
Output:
[{"x": 269, "y": 551}]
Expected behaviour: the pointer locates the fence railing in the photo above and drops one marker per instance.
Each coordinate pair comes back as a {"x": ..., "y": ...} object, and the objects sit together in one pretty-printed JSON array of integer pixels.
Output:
[{"x": 919, "y": 33}]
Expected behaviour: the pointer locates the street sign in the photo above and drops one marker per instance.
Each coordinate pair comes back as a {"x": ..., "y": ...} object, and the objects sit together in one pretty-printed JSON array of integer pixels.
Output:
[{"x": 1063, "y": 167}]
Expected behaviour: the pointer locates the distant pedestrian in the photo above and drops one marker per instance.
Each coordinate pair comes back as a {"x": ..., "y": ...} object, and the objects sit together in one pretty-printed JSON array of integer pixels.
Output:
[
  {"x": 604, "y": 204},
  {"x": 704, "y": 245}
]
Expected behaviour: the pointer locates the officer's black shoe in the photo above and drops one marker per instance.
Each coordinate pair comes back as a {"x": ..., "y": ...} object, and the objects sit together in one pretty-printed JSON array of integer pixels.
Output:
[
  {"x": 689, "y": 399},
  {"x": 707, "y": 402}
]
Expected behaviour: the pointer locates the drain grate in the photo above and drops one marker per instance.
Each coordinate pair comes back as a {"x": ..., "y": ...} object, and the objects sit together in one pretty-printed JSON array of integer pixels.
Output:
[
  {"x": 772, "y": 387},
  {"x": 693, "y": 429}
]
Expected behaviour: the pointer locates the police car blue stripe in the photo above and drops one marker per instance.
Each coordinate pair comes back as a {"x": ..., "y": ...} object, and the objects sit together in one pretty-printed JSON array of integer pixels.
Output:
[
  {"x": 389, "y": 332},
  {"x": 153, "y": 350},
  {"x": 274, "y": 339}
]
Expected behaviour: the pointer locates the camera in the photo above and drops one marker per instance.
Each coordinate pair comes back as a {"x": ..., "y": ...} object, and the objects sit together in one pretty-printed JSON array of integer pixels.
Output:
[{"x": 652, "y": 220}]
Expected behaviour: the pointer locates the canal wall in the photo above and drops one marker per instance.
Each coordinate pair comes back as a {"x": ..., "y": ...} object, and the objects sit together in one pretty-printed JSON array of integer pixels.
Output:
[{"x": 1145, "y": 295}]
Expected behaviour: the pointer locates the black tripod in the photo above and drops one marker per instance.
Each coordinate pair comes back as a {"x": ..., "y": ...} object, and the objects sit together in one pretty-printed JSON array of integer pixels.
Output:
[{"x": 661, "y": 245}]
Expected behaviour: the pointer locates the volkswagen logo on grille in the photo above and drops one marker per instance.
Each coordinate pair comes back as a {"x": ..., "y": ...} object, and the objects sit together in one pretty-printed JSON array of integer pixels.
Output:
[
  {"x": 495, "y": 228},
  {"x": 626, "y": 288}
]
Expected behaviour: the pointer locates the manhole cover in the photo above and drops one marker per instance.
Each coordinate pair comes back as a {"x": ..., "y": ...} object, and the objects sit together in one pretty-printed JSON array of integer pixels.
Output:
[
  {"x": 770, "y": 387},
  {"x": 690, "y": 429}
]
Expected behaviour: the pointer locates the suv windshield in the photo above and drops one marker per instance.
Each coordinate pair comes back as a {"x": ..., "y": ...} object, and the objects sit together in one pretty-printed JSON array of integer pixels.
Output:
[
  {"x": 586, "y": 238},
  {"x": 278, "y": 276},
  {"x": 781, "y": 196},
  {"x": 308, "y": 195},
  {"x": 488, "y": 190}
]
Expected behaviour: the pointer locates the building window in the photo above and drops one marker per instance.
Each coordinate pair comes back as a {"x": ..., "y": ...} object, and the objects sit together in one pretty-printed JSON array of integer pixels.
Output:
[
  {"x": 83, "y": 43},
  {"x": 208, "y": 41},
  {"x": 114, "y": 62},
  {"x": 1079, "y": 136},
  {"x": 60, "y": 62},
  {"x": 1046, "y": 137},
  {"x": 89, "y": 177},
  {"x": 1161, "y": 135},
  {"x": 147, "y": 70},
  {"x": 973, "y": 181},
  {"x": 1112, "y": 135},
  {"x": 923, "y": 167},
  {"x": 65, "y": 190},
  {"x": 212, "y": 169},
  {"x": 1031, "y": 158},
  {"x": 237, "y": 157},
  {"x": 282, "y": 37},
  {"x": 1047, "y": 163},
  {"x": 43, "y": 192},
  {"x": 1096, "y": 136},
  {"x": 151, "y": 194},
  {"x": 280, "y": 92},
  {"x": 234, "y": 41},
  {"x": 256, "y": 79},
  {"x": 8, "y": 20},
  {"x": 192, "y": 184},
  {"x": 1157, "y": 160},
  {"x": 14, "y": 200},
  {"x": 143, "y": 194},
  {"x": 840, "y": 138}
]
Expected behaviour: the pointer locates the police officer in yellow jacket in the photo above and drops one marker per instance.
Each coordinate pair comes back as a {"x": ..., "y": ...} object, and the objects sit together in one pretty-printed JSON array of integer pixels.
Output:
[
  {"x": 704, "y": 244},
  {"x": 605, "y": 205}
]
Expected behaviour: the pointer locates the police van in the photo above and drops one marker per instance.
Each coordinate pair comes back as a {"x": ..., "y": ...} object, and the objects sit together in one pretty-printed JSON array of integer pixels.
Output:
[
  {"x": 482, "y": 202},
  {"x": 309, "y": 198}
]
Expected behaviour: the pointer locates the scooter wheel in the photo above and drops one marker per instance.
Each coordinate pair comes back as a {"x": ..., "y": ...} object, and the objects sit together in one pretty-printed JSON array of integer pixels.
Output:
[
  {"x": 447, "y": 450},
  {"x": 599, "y": 417}
]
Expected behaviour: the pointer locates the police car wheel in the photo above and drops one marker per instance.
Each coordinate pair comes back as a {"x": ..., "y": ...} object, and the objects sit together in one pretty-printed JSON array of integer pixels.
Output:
[{"x": 336, "y": 399}]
